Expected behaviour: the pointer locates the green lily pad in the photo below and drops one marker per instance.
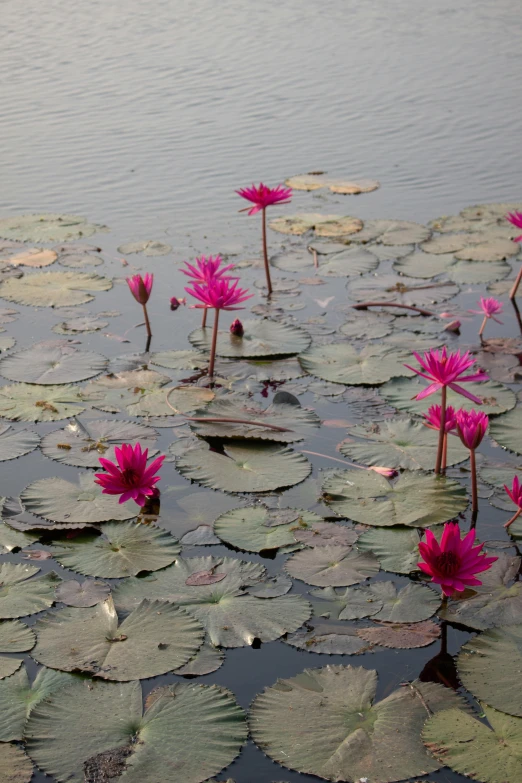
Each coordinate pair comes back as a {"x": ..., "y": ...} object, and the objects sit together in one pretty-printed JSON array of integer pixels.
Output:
[
  {"x": 404, "y": 232},
  {"x": 14, "y": 637},
  {"x": 15, "y": 766},
  {"x": 496, "y": 249},
  {"x": 207, "y": 660},
  {"x": 371, "y": 324},
  {"x": 396, "y": 548},
  {"x": 429, "y": 265},
  {"x": 196, "y": 728},
  {"x": 123, "y": 549},
  {"x": 80, "y": 260},
  {"x": 411, "y": 604},
  {"x": 415, "y": 500},
  {"x": 322, "y": 225},
  {"x": 490, "y": 667},
  {"x": 424, "y": 265},
  {"x": 16, "y": 443},
  {"x": 153, "y": 402},
  {"x": 20, "y": 595},
  {"x": 296, "y": 422},
  {"x": 477, "y": 272},
  {"x": 249, "y": 467},
  {"x": 18, "y": 698},
  {"x": 496, "y": 398},
  {"x": 256, "y": 528},
  {"x": 351, "y": 262},
  {"x": 260, "y": 338},
  {"x": 353, "y": 738},
  {"x": 328, "y": 638},
  {"x": 52, "y": 365},
  {"x": 83, "y": 443},
  {"x": 332, "y": 566},
  {"x": 155, "y": 638},
  {"x": 86, "y": 323},
  {"x": 27, "y": 402},
  {"x": 74, "y": 504},
  {"x": 54, "y": 289},
  {"x": 399, "y": 443},
  {"x": 180, "y": 360},
  {"x": 89, "y": 593},
  {"x": 390, "y": 288},
  {"x": 341, "y": 363},
  {"x": 11, "y": 539},
  {"x": 487, "y": 752},
  {"x": 48, "y": 227},
  {"x": 506, "y": 430}
]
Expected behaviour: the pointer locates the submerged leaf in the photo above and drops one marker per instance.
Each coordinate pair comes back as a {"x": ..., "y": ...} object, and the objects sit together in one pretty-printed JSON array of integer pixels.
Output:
[{"x": 401, "y": 635}]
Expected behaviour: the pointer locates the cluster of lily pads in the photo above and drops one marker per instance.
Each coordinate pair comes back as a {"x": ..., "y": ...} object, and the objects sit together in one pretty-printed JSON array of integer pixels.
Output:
[{"x": 144, "y": 602}]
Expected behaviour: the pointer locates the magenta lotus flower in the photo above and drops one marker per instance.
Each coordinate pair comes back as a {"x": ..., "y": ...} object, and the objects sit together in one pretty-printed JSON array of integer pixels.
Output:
[
  {"x": 141, "y": 287},
  {"x": 515, "y": 494},
  {"x": 471, "y": 427},
  {"x": 444, "y": 370},
  {"x": 130, "y": 478},
  {"x": 453, "y": 563},
  {"x": 206, "y": 269},
  {"x": 236, "y": 328},
  {"x": 516, "y": 219},
  {"x": 433, "y": 418},
  {"x": 489, "y": 308},
  {"x": 220, "y": 293},
  {"x": 262, "y": 196}
]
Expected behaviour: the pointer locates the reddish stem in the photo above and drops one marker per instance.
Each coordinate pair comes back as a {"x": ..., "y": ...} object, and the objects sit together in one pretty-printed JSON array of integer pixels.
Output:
[
  {"x": 442, "y": 431},
  {"x": 484, "y": 322},
  {"x": 365, "y": 305},
  {"x": 265, "y": 255},
  {"x": 204, "y": 319},
  {"x": 444, "y": 452},
  {"x": 515, "y": 516},
  {"x": 214, "y": 344},
  {"x": 147, "y": 322},
  {"x": 514, "y": 290},
  {"x": 474, "y": 490}
]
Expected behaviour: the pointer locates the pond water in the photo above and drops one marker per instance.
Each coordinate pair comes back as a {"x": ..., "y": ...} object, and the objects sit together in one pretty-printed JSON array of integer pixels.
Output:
[{"x": 146, "y": 118}]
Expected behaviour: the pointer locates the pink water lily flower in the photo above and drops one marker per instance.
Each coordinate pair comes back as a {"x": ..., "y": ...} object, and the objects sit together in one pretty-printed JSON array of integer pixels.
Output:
[
  {"x": 433, "y": 418},
  {"x": 453, "y": 563},
  {"x": 516, "y": 219},
  {"x": 490, "y": 307},
  {"x": 471, "y": 427},
  {"x": 141, "y": 287},
  {"x": 515, "y": 494},
  {"x": 262, "y": 196},
  {"x": 206, "y": 269},
  {"x": 221, "y": 293},
  {"x": 444, "y": 369},
  {"x": 130, "y": 477}
]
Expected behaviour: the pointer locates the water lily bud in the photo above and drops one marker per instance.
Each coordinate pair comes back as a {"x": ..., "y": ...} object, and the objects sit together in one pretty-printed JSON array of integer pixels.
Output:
[
  {"x": 175, "y": 303},
  {"x": 236, "y": 327},
  {"x": 386, "y": 472},
  {"x": 454, "y": 327}
]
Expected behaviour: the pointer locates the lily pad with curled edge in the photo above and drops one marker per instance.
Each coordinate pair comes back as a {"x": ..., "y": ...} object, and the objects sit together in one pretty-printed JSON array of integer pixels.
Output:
[
  {"x": 257, "y": 528},
  {"x": 83, "y": 443},
  {"x": 149, "y": 248},
  {"x": 411, "y": 604},
  {"x": 390, "y": 288},
  {"x": 496, "y": 602},
  {"x": 416, "y": 500},
  {"x": 231, "y": 617},
  {"x": 249, "y": 467},
  {"x": 322, "y": 225},
  {"x": 341, "y": 363},
  {"x": 353, "y": 737},
  {"x": 490, "y": 667},
  {"x": 396, "y": 548},
  {"x": 373, "y": 325},
  {"x": 47, "y": 366},
  {"x": 352, "y": 604},
  {"x": 28, "y": 402},
  {"x": 328, "y": 638},
  {"x": 20, "y": 595},
  {"x": 506, "y": 430},
  {"x": 401, "y": 636},
  {"x": 345, "y": 187},
  {"x": 74, "y": 504},
  {"x": 154, "y": 639},
  {"x": 271, "y": 587},
  {"x": 33, "y": 257},
  {"x": 186, "y": 726},
  {"x": 14, "y": 637},
  {"x": 18, "y": 697},
  {"x": 87, "y": 593},
  {"x": 15, "y": 766},
  {"x": 48, "y": 227},
  {"x": 207, "y": 659},
  {"x": 54, "y": 289},
  {"x": 155, "y": 402},
  {"x": 261, "y": 338},
  {"x": 496, "y": 398},
  {"x": 123, "y": 549},
  {"x": 16, "y": 443},
  {"x": 332, "y": 566},
  {"x": 398, "y": 443},
  {"x": 287, "y": 422}
]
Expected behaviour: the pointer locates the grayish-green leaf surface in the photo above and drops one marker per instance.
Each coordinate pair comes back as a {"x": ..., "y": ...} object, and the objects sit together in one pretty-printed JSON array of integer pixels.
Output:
[
  {"x": 260, "y": 338},
  {"x": 253, "y": 529},
  {"x": 18, "y": 697},
  {"x": 27, "y": 402},
  {"x": 332, "y": 566},
  {"x": 52, "y": 365},
  {"x": 341, "y": 363},
  {"x": 54, "y": 289},
  {"x": 16, "y": 443},
  {"x": 496, "y": 398},
  {"x": 20, "y": 595}
]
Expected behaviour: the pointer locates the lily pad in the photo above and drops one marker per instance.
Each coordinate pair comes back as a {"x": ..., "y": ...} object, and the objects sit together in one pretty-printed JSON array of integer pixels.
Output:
[
  {"x": 489, "y": 250},
  {"x": 80, "y": 260},
  {"x": 404, "y": 232},
  {"x": 390, "y": 288},
  {"x": 47, "y": 228},
  {"x": 87, "y": 593},
  {"x": 250, "y": 528},
  {"x": 322, "y": 225},
  {"x": 86, "y": 323},
  {"x": 11, "y": 539},
  {"x": 372, "y": 325},
  {"x": 153, "y": 402},
  {"x": 33, "y": 257},
  {"x": 414, "y": 500},
  {"x": 260, "y": 338},
  {"x": 180, "y": 360},
  {"x": 354, "y": 738},
  {"x": 401, "y": 635},
  {"x": 20, "y": 595},
  {"x": 411, "y": 604},
  {"x": 149, "y": 248},
  {"x": 196, "y": 728},
  {"x": 506, "y": 430},
  {"x": 207, "y": 660},
  {"x": 155, "y": 638},
  {"x": 399, "y": 443},
  {"x": 123, "y": 549},
  {"x": 352, "y": 604},
  {"x": 332, "y": 566},
  {"x": 351, "y": 262},
  {"x": 496, "y": 398},
  {"x": 328, "y": 638},
  {"x": 345, "y": 187},
  {"x": 15, "y": 766},
  {"x": 47, "y": 366},
  {"x": 74, "y": 504},
  {"x": 28, "y": 402},
  {"x": 54, "y": 289},
  {"x": 14, "y": 637},
  {"x": 83, "y": 443},
  {"x": 16, "y": 443},
  {"x": 396, "y": 548},
  {"x": 424, "y": 265},
  {"x": 18, "y": 697},
  {"x": 326, "y": 534},
  {"x": 341, "y": 363},
  {"x": 249, "y": 467}
]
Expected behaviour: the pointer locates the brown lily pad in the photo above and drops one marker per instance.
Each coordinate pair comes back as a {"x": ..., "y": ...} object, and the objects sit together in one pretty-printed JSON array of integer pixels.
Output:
[{"x": 401, "y": 635}]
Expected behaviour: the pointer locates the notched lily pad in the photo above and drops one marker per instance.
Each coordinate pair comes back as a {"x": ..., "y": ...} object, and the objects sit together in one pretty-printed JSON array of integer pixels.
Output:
[
  {"x": 345, "y": 187},
  {"x": 83, "y": 443},
  {"x": 258, "y": 528},
  {"x": 30, "y": 402},
  {"x": 81, "y": 594},
  {"x": 14, "y": 637},
  {"x": 322, "y": 225},
  {"x": 341, "y": 363},
  {"x": 52, "y": 365},
  {"x": 328, "y": 638},
  {"x": 332, "y": 566},
  {"x": 54, "y": 289},
  {"x": 401, "y": 635},
  {"x": 496, "y": 398},
  {"x": 260, "y": 338},
  {"x": 149, "y": 248},
  {"x": 48, "y": 227},
  {"x": 16, "y": 443},
  {"x": 21, "y": 595}
]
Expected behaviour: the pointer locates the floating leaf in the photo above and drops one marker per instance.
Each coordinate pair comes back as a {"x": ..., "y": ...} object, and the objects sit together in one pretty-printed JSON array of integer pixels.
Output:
[
  {"x": 54, "y": 289},
  {"x": 271, "y": 587},
  {"x": 341, "y": 363},
  {"x": 330, "y": 639},
  {"x": 506, "y": 430},
  {"x": 153, "y": 402},
  {"x": 350, "y": 262},
  {"x": 496, "y": 398},
  {"x": 250, "y": 528},
  {"x": 20, "y": 595},
  {"x": 87, "y": 593},
  {"x": 326, "y": 534},
  {"x": 180, "y": 360},
  {"x": 411, "y": 604},
  {"x": 489, "y": 250},
  {"x": 47, "y": 228},
  {"x": 16, "y": 443},
  {"x": 389, "y": 288},
  {"x": 148, "y": 248},
  {"x": 345, "y": 187},
  {"x": 15, "y": 766},
  {"x": 399, "y": 443},
  {"x": 123, "y": 549},
  {"x": 87, "y": 323},
  {"x": 396, "y": 548},
  {"x": 416, "y": 500},
  {"x": 32, "y": 256},
  {"x": 80, "y": 260},
  {"x": 352, "y": 604},
  {"x": 205, "y": 661},
  {"x": 74, "y": 504},
  {"x": 196, "y": 728},
  {"x": 323, "y": 225},
  {"x": 372, "y": 325},
  {"x": 260, "y": 338},
  {"x": 401, "y": 635},
  {"x": 332, "y": 566},
  {"x": 249, "y": 467},
  {"x": 18, "y": 698},
  {"x": 13, "y": 539},
  {"x": 83, "y": 443},
  {"x": 352, "y": 738},
  {"x": 424, "y": 265},
  {"x": 14, "y": 637},
  {"x": 27, "y": 402},
  {"x": 404, "y": 232},
  {"x": 52, "y": 365}
]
